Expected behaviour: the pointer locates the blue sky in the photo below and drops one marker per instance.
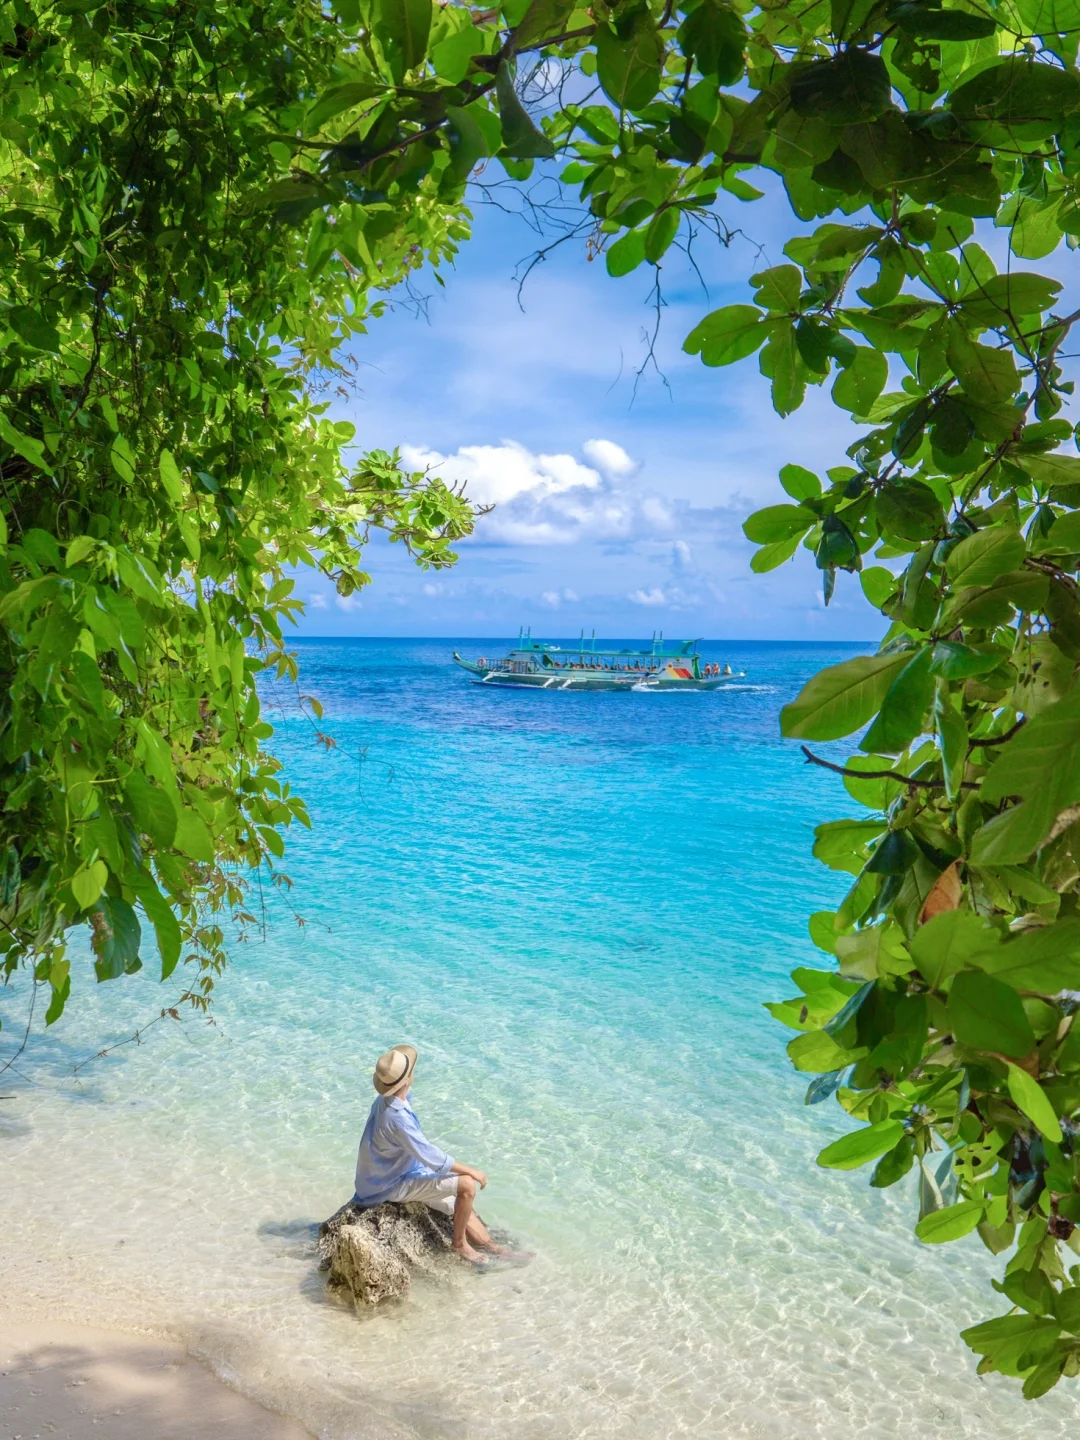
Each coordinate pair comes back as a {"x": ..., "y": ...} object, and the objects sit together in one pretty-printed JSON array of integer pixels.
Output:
[{"x": 614, "y": 509}]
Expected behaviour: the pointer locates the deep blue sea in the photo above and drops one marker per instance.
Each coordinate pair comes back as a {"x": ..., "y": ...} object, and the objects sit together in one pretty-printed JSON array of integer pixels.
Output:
[{"x": 574, "y": 906}]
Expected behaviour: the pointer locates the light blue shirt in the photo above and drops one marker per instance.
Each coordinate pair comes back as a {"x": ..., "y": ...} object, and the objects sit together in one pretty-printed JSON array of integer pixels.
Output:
[{"x": 394, "y": 1151}]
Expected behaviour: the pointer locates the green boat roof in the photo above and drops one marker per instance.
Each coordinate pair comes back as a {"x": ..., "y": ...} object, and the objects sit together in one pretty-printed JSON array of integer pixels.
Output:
[{"x": 657, "y": 650}]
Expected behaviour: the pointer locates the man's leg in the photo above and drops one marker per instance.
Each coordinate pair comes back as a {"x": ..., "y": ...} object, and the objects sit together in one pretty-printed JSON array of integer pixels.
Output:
[
  {"x": 463, "y": 1205},
  {"x": 476, "y": 1232}
]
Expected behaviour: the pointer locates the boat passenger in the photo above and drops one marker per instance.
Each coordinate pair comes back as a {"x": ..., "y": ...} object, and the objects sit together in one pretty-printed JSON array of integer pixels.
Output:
[{"x": 727, "y": 670}]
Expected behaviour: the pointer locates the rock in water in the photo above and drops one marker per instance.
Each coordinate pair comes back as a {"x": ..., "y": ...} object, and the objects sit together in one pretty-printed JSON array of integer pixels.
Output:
[{"x": 373, "y": 1253}]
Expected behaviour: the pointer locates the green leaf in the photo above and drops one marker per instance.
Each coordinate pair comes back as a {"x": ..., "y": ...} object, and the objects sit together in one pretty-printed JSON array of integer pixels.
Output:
[
  {"x": 878, "y": 585},
  {"x": 1003, "y": 296},
  {"x": 948, "y": 942},
  {"x": 468, "y": 143},
  {"x": 115, "y": 938},
  {"x": 716, "y": 37},
  {"x": 662, "y": 230},
  {"x": 800, "y": 484},
  {"x": 627, "y": 253},
  {"x": 88, "y": 883},
  {"x": 628, "y": 62},
  {"x": 727, "y": 335},
  {"x": 1030, "y": 1098},
  {"x": 984, "y": 556},
  {"x": 1049, "y": 17},
  {"x": 780, "y": 360},
  {"x": 852, "y": 86},
  {"x": 859, "y": 384},
  {"x": 402, "y": 26},
  {"x": 987, "y": 1014},
  {"x": 160, "y": 914},
  {"x": 861, "y": 1146},
  {"x": 152, "y": 809},
  {"x": 770, "y": 556},
  {"x": 952, "y": 1223},
  {"x": 521, "y": 139},
  {"x": 1050, "y": 469},
  {"x": 1045, "y": 958},
  {"x": 984, "y": 373},
  {"x": 339, "y": 98},
  {"x": 841, "y": 844},
  {"x": 193, "y": 837},
  {"x": 953, "y": 741},
  {"x": 31, "y": 327},
  {"x": 122, "y": 458},
  {"x": 778, "y": 522},
  {"x": 953, "y": 661},
  {"x": 1029, "y": 98},
  {"x": 60, "y": 980},
  {"x": 816, "y": 1053},
  {"x": 909, "y": 509},
  {"x": 544, "y": 19},
  {"x": 778, "y": 289},
  {"x": 841, "y": 698},
  {"x": 170, "y": 477},
  {"x": 903, "y": 707},
  {"x": 24, "y": 445}
]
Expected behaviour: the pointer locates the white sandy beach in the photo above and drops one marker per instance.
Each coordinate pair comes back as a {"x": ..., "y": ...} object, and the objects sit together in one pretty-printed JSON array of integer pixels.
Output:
[{"x": 75, "y": 1383}]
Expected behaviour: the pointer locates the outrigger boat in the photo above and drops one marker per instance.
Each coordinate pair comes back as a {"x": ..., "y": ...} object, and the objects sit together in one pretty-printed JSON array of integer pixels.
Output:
[{"x": 538, "y": 665}]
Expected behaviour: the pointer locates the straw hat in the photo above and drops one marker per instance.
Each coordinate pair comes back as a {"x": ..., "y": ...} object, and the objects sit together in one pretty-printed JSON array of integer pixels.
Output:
[{"x": 394, "y": 1070}]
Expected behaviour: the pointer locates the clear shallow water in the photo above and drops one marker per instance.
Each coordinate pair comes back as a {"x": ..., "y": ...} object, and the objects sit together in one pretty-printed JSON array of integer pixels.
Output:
[{"x": 574, "y": 906}]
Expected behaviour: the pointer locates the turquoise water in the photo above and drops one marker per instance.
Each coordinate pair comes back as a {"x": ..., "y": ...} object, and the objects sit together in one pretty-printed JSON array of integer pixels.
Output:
[{"x": 574, "y": 905}]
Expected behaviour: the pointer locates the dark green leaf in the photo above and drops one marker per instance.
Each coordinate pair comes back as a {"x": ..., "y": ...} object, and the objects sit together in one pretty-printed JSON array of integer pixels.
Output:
[
  {"x": 628, "y": 62},
  {"x": 852, "y": 86},
  {"x": 989, "y": 1015},
  {"x": 521, "y": 138}
]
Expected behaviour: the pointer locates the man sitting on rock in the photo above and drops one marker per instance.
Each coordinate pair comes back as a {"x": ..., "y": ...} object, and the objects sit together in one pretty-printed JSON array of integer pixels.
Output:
[{"x": 396, "y": 1162}]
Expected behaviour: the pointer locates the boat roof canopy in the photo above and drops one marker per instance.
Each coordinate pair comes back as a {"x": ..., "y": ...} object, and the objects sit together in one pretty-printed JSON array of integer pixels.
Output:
[{"x": 658, "y": 650}]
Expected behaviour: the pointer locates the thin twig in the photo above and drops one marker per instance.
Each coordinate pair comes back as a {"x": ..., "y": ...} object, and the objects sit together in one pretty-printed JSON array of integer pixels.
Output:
[
  {"x": 26, "y": 1033},
  {"x": 1001, "y": 739}
]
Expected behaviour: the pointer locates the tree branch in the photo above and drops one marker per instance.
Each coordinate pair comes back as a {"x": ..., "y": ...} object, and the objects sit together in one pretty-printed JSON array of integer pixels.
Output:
[{"x": 812, "y": 759}]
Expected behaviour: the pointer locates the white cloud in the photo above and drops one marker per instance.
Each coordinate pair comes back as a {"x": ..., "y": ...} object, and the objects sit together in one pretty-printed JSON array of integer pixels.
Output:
[
  {"x": 609, "y": 458},
  {"x": 315, "y": 601},
  {"x": 655, "y": 596},
  {"x": 347, "y": 602},
  {"x": 680, "y": 557},
  {"x": 430, "y": 590},
  {"x": 550, "y": 499},
  {"x": 552, "y": 598}
]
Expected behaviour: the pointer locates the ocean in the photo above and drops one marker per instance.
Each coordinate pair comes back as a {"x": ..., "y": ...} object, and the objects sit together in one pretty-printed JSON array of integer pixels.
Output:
[{"x": 574, "y": 906}]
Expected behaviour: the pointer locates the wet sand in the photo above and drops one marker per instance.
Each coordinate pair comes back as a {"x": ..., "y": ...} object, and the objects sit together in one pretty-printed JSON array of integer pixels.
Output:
[{"x": 76, "y": 1383}]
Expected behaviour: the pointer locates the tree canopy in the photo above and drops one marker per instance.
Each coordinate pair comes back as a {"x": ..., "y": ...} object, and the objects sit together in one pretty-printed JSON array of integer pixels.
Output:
[{"x": 202, "y": 204}]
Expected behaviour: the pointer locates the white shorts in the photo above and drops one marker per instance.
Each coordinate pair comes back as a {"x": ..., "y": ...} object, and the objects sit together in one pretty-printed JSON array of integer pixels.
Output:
[{"x": 436, "y": 1193}]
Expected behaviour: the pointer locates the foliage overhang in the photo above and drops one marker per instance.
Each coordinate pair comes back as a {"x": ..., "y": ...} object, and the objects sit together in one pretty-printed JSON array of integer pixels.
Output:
[{"x": 200, "y": 205}]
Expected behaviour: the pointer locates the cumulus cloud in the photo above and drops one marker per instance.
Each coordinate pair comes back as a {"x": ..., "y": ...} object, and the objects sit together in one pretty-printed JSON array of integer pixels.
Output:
[
  {"x": 610, "y": 459},
  {"x": 654, "y": 596},
  {"x": 551, "y": 499},
  {"x": 554, "y": 598},
  {"x": 316, "y": 601}
]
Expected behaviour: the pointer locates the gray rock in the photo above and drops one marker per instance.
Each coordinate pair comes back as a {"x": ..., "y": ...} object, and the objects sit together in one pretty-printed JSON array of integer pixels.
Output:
[{"x": 372, "y": 1255}]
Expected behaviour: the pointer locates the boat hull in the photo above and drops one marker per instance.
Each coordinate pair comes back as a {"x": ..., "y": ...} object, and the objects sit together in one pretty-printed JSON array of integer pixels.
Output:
[{"x": 589, "y": 680}]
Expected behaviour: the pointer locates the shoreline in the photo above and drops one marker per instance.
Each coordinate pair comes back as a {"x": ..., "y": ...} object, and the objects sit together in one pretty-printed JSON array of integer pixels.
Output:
[{"x": 60, "y": 1378}]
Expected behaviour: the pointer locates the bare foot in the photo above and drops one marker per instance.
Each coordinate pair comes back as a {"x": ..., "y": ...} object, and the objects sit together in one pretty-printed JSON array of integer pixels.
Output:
[{"x": 466, "y": 1251}]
